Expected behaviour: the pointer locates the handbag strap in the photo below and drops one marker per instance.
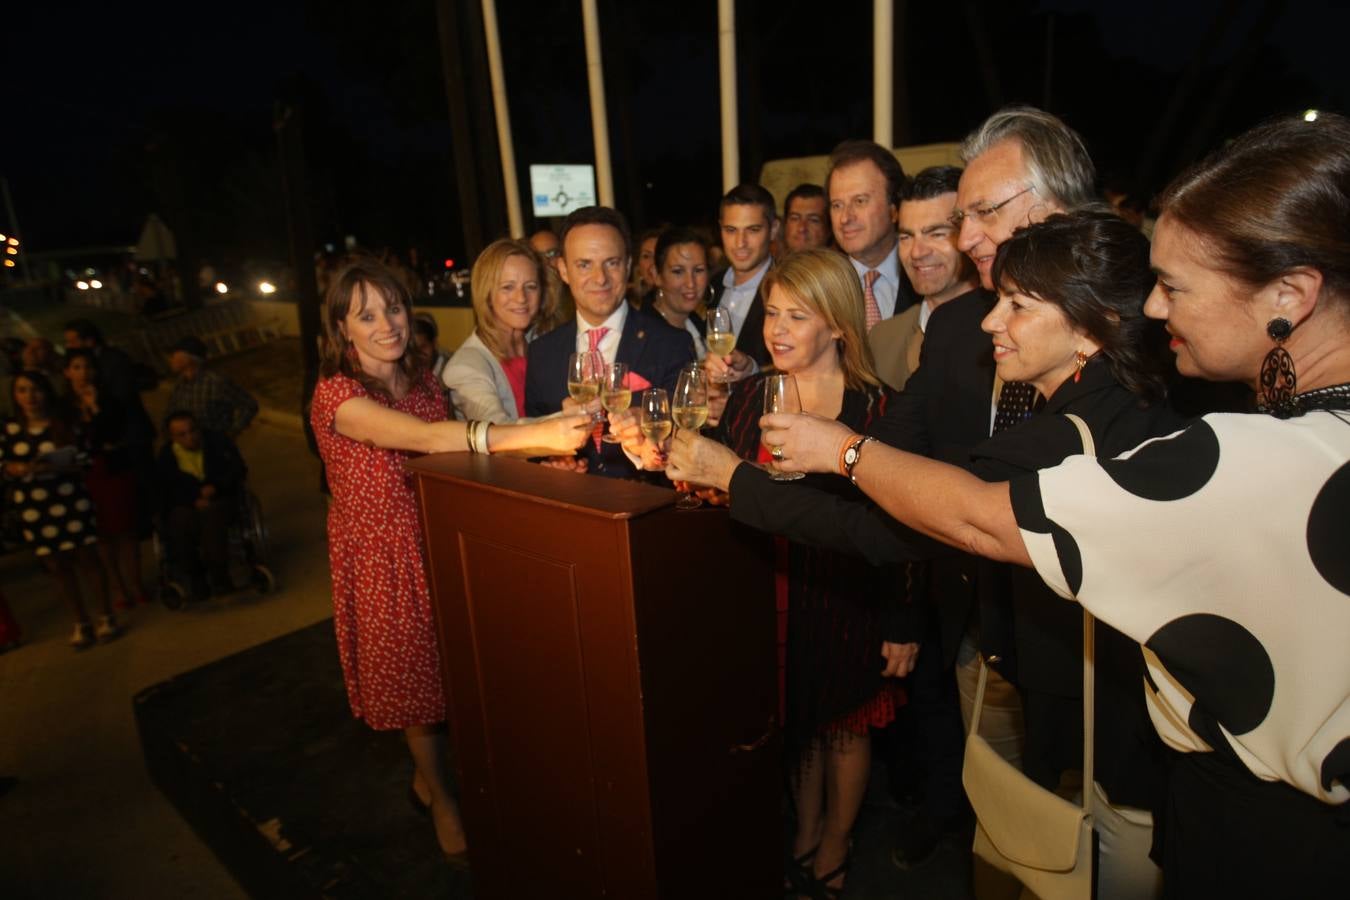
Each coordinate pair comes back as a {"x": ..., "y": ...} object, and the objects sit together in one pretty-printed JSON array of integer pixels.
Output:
[{"x": 1089, "y": 653}]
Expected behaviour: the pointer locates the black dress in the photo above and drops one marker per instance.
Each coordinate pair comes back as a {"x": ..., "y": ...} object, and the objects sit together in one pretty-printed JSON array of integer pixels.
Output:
[{"x": 838, "y": 612}]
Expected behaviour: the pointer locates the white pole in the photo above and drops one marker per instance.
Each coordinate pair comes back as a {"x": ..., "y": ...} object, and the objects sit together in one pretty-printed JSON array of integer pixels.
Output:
[
  {"x": 508, "y": 151},
  {"x": 731, "y": 139},
  {"x": 883, "y": 84},
  {"x": 595, "y": 76}
]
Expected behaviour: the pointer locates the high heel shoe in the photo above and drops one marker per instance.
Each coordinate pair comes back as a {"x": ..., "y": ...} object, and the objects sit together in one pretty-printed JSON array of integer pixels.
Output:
[{"x": 798, "y": 876}]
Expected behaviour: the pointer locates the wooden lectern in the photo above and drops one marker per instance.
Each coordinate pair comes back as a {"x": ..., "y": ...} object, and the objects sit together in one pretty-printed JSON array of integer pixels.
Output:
[{"x": 610, "y": 668}]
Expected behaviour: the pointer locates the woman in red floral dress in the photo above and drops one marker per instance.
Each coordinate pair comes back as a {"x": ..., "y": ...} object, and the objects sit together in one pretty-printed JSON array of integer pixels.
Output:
[{"x": 375, "y": 406}]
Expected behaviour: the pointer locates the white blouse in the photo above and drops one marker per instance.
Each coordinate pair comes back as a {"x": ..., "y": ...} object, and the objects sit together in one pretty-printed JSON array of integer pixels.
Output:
[{"x": 1224, "y": 549}]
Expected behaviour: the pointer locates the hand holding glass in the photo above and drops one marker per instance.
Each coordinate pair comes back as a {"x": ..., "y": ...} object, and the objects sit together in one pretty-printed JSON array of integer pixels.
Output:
[
  {"x": 585, "y": 371},
  {"x": 721, "y": 336},
  {"x": 780, "y": 396},
  {"x": 690, "y": 412},
  {"x": 615, "y": 394},
  {"x": 654, "y": 416}
]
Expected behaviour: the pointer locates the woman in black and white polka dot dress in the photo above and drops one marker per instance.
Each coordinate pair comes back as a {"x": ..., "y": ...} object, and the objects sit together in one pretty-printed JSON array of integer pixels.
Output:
[
  {"x": 39, "y": 452},
  {"x": 1224, "y": 549}
]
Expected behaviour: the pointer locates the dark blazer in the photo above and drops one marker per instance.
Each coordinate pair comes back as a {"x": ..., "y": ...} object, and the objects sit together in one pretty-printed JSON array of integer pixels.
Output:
[
  {"x": 750, "y": 339},
  {"x": 650, "y": 348}
]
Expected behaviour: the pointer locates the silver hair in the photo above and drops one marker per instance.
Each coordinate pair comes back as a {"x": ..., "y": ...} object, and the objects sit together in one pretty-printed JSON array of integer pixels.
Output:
[{"x": 1058, "y": 165}]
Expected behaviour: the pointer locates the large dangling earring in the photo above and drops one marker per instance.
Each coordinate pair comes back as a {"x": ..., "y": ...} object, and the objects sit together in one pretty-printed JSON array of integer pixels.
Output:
[
  {"x": 1079, "y": 360},
  {"x": 1279, "y": 382}
]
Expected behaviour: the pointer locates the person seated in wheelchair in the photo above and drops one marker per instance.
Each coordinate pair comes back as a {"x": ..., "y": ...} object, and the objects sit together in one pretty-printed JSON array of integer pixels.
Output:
[{"x": 200, "y": 478}]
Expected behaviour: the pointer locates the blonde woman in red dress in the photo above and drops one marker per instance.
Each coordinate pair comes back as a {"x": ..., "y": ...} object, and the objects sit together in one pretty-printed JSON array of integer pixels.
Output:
[{"x": 375, "y": 406}]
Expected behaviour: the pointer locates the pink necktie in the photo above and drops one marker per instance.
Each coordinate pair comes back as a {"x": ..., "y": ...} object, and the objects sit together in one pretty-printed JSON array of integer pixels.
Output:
[
  {"x": 595, "y": 336},
  {"x": 870, "y": 309}
]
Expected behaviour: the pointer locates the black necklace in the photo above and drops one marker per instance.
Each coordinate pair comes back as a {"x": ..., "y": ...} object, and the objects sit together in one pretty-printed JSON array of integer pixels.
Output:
[{"x": 1335, "y": 396}]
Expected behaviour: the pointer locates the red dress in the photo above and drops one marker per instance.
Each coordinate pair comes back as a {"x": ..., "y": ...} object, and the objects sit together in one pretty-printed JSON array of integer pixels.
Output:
[{"x": 381, "y": 605}]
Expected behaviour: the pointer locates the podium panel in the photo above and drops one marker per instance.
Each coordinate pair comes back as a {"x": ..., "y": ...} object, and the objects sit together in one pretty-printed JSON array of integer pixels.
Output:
[{"x": 611, "y": 676}]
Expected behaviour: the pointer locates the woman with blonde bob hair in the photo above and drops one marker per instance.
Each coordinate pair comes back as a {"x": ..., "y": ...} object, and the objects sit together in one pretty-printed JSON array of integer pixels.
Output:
[
  {"x": 842, "y": 617},
  {"x": 516, "y": 298},
  {"x": 377, "y": 404}
]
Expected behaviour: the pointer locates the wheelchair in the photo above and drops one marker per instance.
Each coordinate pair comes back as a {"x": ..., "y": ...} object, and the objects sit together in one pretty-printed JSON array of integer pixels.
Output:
[{"x": 246, "y": 546}]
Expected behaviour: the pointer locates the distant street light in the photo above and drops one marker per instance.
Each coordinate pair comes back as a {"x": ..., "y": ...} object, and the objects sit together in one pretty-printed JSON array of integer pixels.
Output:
[
  {"x": 1310, "y": 115},
  {"x": 13, "y": 242},
  {"x": 96, "y": 284},
  {"x": 82, "y": 285},
  {"x": 221, "y": 288},
  {"x": 9, "y": 264},
  {"x": 12, "y": 251},
  {"x": 267, "y": 287}
]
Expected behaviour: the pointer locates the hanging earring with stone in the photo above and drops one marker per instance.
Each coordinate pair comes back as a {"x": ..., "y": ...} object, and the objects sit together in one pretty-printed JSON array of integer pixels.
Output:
[
  {"x": 1279, "y": 381},
  {"x": 1079, "y": 360}
]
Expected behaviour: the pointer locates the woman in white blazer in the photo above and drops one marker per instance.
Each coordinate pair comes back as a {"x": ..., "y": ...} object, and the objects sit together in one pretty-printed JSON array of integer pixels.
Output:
[{"x": 516, "y": 297}]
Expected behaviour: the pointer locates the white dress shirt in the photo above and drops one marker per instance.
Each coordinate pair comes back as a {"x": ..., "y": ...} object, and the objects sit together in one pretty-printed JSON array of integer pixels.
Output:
[
  {"x": 609, "y": 344},
  {"x": 887, "y": 285},
  {"x": 737, "y": 298}
]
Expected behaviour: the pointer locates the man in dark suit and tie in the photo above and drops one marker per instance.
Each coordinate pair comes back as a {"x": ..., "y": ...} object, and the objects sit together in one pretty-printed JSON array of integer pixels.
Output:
[{"x": 596, "y": 259}]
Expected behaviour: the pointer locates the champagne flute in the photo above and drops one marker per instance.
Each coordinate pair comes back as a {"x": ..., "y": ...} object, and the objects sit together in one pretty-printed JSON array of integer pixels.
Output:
[
  {"x": 780, "y": 396},
  {"x": 615, "y": 394},
  {"x": 690, "y": 406},
  {"x": 654, "y": 416},
  {"x": 690, "y": 411},
  {"x": 585, "y": 371},
  {"x": 721, "y": 335}
]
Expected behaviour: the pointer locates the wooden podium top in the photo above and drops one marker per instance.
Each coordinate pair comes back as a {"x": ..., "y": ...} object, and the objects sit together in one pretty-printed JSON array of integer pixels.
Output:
[{"x": 608, "y": 498}]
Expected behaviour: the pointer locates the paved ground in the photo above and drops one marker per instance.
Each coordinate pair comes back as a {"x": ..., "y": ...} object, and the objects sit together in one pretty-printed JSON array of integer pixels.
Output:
[{"x": 84, "y": 819}]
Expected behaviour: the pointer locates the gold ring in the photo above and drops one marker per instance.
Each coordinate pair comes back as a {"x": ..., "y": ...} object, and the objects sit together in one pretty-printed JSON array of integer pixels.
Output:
[{"x": 777, "y": 454}]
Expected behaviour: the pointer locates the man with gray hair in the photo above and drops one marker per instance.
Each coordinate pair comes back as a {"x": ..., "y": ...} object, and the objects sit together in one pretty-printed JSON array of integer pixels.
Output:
[{"x": 1022, "y": 165}]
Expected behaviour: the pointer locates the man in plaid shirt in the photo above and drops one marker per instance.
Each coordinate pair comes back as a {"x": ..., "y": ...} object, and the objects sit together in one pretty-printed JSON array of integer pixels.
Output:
[{"x": 218, "y": 403}]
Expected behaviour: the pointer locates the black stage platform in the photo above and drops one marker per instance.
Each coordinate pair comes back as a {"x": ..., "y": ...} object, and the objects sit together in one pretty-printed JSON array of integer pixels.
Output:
[{"x": 260, "y": 754}]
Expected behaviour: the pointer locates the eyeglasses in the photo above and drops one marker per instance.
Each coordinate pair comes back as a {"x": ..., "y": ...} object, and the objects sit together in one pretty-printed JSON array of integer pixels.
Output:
[{"x": 985, "y": 214}]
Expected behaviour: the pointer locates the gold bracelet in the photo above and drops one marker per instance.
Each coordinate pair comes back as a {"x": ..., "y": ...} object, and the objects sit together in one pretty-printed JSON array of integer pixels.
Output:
[{"x": 486, "y": 444}]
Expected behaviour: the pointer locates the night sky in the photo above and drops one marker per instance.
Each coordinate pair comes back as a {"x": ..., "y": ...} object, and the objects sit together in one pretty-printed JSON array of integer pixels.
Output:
[{"x": 111, "y": 112}]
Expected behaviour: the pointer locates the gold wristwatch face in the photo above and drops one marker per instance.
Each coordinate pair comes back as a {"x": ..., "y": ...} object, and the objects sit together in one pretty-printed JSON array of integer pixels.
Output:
[{"x": 851, "y": 455}]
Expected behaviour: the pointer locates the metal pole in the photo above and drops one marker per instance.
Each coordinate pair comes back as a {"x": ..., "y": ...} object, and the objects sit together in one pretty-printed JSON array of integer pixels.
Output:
[
  {"x": 595, "y": 77},
  {"x": 508, "y": 151},
  {"x": 461, "y": 132},
  {"x": 883, "y": 80},
  {"x": 731, "y": 139}
]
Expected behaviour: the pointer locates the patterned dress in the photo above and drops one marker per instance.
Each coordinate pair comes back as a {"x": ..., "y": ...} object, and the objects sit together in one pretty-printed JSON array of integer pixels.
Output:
[
  {"x": 834, "y": 609},
  {"x": 381, "y": 604},
  {"x": 54, "y": 510}
]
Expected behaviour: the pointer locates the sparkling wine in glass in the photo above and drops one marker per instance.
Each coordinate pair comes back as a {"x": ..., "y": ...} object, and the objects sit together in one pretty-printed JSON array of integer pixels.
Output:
[
  {"x": 780, "y": 396},
  {"x": 654, "y": 416},
  {"x": 585, "y": 371},
  {"x": 690, "y": 411},
  {"x": 721, "y": 335},
  {"x": 615, "y": 394}
]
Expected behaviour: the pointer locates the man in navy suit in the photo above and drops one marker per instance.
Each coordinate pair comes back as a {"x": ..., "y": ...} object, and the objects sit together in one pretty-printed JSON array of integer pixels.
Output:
[{"x": 597, "y": 256}]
